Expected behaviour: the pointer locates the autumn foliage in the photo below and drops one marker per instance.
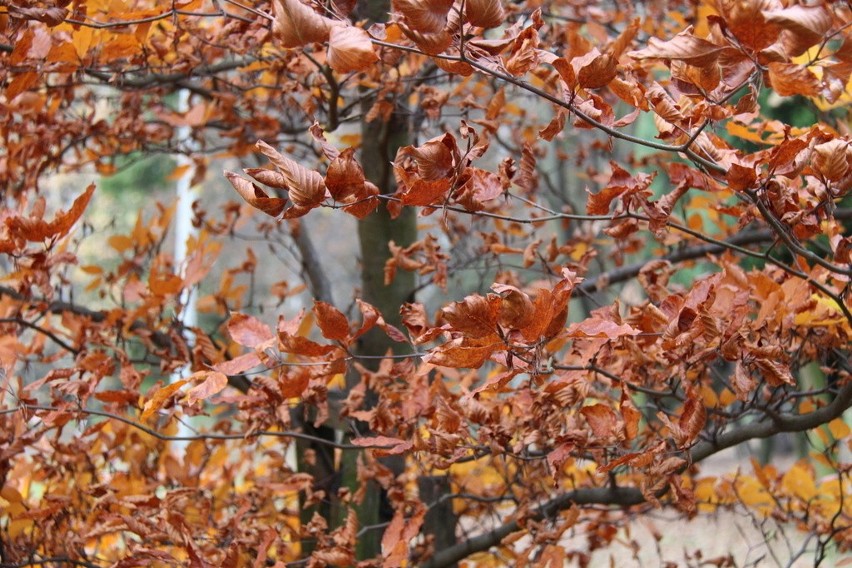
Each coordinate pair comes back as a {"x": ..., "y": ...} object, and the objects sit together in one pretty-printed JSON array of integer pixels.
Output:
[{"x": 627, "y": 255}]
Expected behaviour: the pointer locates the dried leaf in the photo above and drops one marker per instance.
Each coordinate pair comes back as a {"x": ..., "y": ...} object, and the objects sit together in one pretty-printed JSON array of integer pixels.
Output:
[
  {"x": 36, "y": 229},
  {"x": 256, "y": 197},
  {"x": 602, "y": 420},
  {"x": 484, "y": 13},
  {"x": 160, "y": 397},
  {"x": 307, "y": 188},
  {"x": 331, "y": 321},
  {"x": 295, "y": 24},
  {"x": 683, "y": 47},
  {"x": 248, "y": 330},
  {"x": 212, "y": 382},
  {"x": 350, "y": 49}
]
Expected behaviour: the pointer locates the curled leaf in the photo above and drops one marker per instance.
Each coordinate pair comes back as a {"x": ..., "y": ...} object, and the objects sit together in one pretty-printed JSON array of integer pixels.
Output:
[
  {"x": 295, "y": 24},
  {"x": 350, "y": 49}
]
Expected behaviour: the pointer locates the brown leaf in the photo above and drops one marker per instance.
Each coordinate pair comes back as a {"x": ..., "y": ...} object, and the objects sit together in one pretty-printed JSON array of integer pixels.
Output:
[
  {"x": 256, "y": 197},
  {"x": 159, "y": 399},
  {"x": 384, "y": 445},
  {"x": 831, "y": 159},
  {"x": 426, "y": 192},
  {"x": 331, "y": 321},
  {"x": 268, "y": 177},
  {"x": 52, "y": 16},
  {"x": 345, "y": 176},
  {"x": 692, "y": 419},
  {"x": 307, "y": 188},
  {"x": 398, "y": 534},
  {"x": 595, "y": 327},
  {"x": 239, "y": 364},
  {"x": 602, "y": 419},
  {"x": 555, "y": 126},
  {"x": 808, "y": 24},
  {"x": 436, "y": 159},
  {"x": 789, "y": 79},
  {"x": 516, "y": 309},
  {"x": 35, "y": 229},
  {"x": 775, "y": 373},
  {"x": 683, "y": 47},
  {"x": 557, "y": 458},
  {"x": 295, "y": 24},
  {"x": 415, "y": 320},
  {"x": 598, "y": 73},
  {"x": 631, "y": 416},
  {"x": 742, "y": 382},
  {"x": 475, "y": 316},
  {"x": 424, "y": 16},
  {"x": 366, "y": 203},
  {"x": 484, "y": 13},
  {"x": 462, "y": 356},
  {"x": 350, "y": 49},
  {"x": 212, "y": 382},
  {"x": 248, "y": 331},
  {"x": 739, "y": 177}
]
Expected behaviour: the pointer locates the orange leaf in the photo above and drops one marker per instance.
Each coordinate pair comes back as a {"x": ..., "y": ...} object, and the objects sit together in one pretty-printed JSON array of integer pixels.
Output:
[
  {"x": 36, "y": 229},
  {"x": 789, "y": 79},
  {"x": 350, "y": 49},
  {"x": 484, "y": 13},
  {"x": 683, "y": 47},
  {"x": 425, "y": 16},
  {"x": 594, "y": 327},
  {"x": 296, "y": 24},
  {"x": 212, "y": 383},
  {"x": 161, "y": 396},
  {"x": 399, "y": 532},
  {"x": 331, "y": 321},
  {"x": 248, "y": 330},
  {"x": 307, "y": 188},
  {"x": 239, "y": 364},
  {"x": 256, "y": 197},
  {"x": 602, "y": 419}
]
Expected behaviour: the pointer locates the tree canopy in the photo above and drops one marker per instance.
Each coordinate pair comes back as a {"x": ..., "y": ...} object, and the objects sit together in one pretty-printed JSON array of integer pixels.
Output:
[{"x": 599, "y": 243}]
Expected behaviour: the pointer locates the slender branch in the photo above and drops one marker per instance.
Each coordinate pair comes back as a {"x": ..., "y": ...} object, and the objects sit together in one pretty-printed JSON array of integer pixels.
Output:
[
  {"x": 49, "y": 560},
  {"x": 623, "y": 273},
  {"x": 55, "y": 338},
  {"x": 290, "y": 434},
  {"x": 629, "y": 496}
]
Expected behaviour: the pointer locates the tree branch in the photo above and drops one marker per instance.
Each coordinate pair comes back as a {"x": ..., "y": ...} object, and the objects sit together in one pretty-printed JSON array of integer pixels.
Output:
[
  {"x": 629, "y": 496},
  {"x": 317, "y": 278},
  {"x": 623, "y": 273},
  {"x": 290, "y": 434}
]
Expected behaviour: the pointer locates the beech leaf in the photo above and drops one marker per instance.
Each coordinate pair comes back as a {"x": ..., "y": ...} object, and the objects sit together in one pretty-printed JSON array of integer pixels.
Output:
[
  {"x": 248, "y": 330},
  {"x": 295, "y": 24},
  {"x": 212, "y": 382},
  {"x": 684, "y": 47},
  {"x": 350, "y": 49},
  {"x": 331, "y": 321}
]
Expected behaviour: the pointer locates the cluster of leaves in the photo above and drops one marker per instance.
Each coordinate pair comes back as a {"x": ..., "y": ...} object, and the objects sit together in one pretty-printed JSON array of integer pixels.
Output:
[{"x": 580, "y": 386}]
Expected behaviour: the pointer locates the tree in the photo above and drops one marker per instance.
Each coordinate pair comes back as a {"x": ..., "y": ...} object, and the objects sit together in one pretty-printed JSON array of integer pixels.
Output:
[{"x": 625, "y": 264}]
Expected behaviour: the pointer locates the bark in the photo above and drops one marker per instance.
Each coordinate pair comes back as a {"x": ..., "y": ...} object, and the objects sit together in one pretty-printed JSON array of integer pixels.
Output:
[{"x": 379, "y": 144}]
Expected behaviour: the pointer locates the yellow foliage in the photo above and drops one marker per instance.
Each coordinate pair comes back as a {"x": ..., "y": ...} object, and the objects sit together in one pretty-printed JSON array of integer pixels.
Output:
[{"x": 799, "y": 481}]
